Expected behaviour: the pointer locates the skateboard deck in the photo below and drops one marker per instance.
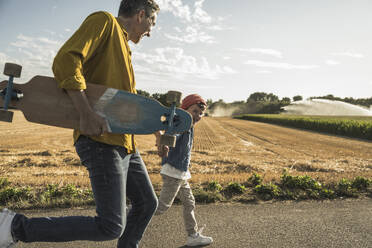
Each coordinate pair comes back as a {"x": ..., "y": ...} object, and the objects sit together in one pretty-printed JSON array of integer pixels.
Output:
[{"x": 43, "y": 102}]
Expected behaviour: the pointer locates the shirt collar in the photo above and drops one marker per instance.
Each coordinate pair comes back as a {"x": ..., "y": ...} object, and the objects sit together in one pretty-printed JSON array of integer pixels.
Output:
[
  {"x": 122, "y": 28},
  {"x": 124, "y": 31}
]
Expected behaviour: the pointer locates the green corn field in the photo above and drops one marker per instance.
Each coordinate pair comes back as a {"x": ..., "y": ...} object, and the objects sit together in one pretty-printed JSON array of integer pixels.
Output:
[{"x": 351, "y": 126}]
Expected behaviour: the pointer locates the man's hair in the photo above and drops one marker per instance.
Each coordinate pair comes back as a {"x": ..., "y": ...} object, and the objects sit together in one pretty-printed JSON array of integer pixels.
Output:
[{"x": 129, "y": 8}]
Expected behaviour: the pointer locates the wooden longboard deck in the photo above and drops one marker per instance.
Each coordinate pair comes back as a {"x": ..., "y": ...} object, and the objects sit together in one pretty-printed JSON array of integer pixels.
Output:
[{"x": 45, "y": 103}]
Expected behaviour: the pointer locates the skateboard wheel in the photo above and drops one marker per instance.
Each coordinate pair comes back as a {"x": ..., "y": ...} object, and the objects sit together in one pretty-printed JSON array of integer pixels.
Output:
[
  {"x": 11, "y": 69},
  {"x": 168, "y": 140},
  {"x": 174, "y": 97},
  {"x": 6, "y": 115}
]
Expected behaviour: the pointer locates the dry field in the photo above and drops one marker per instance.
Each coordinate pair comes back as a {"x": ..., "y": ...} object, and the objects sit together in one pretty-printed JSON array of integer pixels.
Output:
[{"x": 225, "y": 150}]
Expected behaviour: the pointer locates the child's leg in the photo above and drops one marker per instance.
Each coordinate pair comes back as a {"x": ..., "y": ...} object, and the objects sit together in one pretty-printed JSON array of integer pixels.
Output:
[
  {"x": 168, "y": 192},
  {"x": 188, "y": 202}
]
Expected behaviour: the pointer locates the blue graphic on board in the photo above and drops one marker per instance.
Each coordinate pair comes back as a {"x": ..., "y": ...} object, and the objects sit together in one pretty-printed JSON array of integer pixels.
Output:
[{"x": 134, "y": 114}]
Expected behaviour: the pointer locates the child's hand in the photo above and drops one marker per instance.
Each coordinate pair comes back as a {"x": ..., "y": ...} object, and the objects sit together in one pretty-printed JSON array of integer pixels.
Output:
[{"x": 163, "y": 150}]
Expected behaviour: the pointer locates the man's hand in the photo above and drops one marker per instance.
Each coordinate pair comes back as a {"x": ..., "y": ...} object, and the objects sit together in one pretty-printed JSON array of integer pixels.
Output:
[
  {"x": 90, "y": 122},
  {"x": 162, "y": 149}
]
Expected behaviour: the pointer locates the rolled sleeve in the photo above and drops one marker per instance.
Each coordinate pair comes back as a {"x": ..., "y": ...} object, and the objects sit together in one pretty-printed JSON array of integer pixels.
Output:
[{"x": 73, "y": 83}]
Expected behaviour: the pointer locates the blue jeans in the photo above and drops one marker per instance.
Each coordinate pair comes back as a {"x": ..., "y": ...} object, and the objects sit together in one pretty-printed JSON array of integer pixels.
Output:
[{"x": 112, "y": 178}]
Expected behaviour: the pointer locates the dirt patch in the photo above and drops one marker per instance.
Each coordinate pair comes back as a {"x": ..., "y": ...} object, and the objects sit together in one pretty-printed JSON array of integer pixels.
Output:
[{"x": 225, "y": 150}]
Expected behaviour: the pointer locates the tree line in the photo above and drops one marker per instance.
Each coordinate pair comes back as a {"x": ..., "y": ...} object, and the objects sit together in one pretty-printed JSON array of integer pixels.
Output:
[{"x": 259, "y": 103}]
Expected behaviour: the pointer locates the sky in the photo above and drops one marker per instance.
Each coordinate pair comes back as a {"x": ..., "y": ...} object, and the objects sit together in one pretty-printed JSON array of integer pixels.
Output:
[{"x": 219, "y": 49}]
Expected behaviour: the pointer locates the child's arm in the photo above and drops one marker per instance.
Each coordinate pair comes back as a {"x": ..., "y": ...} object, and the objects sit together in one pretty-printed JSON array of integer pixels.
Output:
[{"x": 162, "y": 149}]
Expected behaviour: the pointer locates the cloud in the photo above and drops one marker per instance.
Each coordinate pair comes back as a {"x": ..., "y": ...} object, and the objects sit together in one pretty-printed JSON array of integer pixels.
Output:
[
  {"x": 199, "y": 14},
  {"x": 349, "y": 54},
  {"x": 35, "y": 54},
  {"x": 173, "y": 62},
  {"x": 185, "y": 12},
  {"x": 191, "y": 35},
  {"x": 4, "y": 58},
  {"x": 194, "y": 18},
  {"x": 332, "y": 62},
  {"x": 285, "y": 66},
  {"x": 218, "y": 27},
  {"x": 264, "y": 72},
  {"x": 37, "y": 48},
  {"x": 270, "y": 52},
  {"x": 37, "y": 43},
  {"x": 177, "y": 8}
]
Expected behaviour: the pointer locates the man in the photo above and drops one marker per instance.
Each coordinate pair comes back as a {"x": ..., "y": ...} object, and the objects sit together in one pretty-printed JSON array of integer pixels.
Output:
[{"x": 98, "y": 52}]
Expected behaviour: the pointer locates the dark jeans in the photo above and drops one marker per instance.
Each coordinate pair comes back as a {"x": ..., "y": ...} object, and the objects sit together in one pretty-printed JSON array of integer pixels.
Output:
[{"x": 112, "y": 178}]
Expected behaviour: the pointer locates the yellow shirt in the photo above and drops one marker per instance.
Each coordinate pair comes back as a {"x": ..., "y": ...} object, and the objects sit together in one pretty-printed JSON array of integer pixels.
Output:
[{"x": 98, "y": 52}]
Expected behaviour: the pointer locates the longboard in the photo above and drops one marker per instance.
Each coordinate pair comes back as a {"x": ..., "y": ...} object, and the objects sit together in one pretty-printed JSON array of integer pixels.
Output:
[{"x": 43, "y": 102}]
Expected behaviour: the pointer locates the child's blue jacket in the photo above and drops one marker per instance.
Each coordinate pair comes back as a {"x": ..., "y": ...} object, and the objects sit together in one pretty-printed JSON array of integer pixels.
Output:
[{"x": 179, "y": 156}]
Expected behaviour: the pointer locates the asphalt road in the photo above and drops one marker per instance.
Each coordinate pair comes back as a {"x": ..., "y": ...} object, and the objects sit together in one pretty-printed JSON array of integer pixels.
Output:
[{"x": 338, "y": 224}]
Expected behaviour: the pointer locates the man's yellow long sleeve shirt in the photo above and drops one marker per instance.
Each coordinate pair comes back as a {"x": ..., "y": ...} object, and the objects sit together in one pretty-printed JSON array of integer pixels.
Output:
[{"x": 98, "y": 53}]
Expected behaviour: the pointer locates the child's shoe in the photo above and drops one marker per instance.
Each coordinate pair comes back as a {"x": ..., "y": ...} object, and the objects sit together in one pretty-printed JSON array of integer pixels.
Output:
[
  {"x": 6, "y": 218},
  {"x": 198, "y": 239}
]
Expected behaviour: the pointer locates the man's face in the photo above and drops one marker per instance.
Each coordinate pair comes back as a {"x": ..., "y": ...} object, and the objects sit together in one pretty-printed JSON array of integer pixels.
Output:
[
  {"x": 144, "y": 25},
  {"x": 196, "y": 111}
]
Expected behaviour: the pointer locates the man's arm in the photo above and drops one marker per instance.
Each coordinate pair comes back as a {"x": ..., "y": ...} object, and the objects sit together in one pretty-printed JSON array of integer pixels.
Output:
[
  {"x": 90, "y": 122},
  {"x": 68, "y": 69},
  {"x": 80, "y": 47}
]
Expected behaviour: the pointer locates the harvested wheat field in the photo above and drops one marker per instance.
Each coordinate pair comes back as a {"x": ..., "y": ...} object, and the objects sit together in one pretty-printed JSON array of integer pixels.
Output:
[{"x": 225, "y": 150}]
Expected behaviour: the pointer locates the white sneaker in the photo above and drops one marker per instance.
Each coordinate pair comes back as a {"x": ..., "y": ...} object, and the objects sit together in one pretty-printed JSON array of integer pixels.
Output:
[
  {"x": 6, "y": 239},
  {"x": 198, "y": 239}
]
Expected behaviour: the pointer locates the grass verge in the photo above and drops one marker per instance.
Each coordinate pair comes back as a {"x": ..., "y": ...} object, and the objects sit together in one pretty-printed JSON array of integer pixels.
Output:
[{"x": 253, "y": 190}]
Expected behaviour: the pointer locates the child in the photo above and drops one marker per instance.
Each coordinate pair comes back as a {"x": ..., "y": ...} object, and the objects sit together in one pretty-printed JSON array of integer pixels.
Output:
[{"x": 175, "y": 173}]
